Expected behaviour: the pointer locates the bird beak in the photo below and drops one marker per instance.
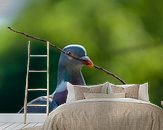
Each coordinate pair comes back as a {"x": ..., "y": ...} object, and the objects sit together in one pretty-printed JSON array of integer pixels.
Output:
[{"x": 87, "y": 61}]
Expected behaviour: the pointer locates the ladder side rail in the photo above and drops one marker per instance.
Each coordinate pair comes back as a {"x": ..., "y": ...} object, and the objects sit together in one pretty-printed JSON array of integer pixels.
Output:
[
  {"x": 47, "y": 110},
  {"x": 26, "y": 87}
]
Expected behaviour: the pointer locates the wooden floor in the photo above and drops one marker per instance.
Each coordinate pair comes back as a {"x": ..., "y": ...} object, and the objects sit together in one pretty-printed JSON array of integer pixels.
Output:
[
  {"x": 15, "y": 121},
  {"x": 17, "y": 126}
]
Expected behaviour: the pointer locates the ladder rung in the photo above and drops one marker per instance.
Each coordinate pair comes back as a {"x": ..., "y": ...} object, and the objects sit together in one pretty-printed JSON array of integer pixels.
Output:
[
  {"x": 38, "y": 55},
  {"x": 38, "y": 89},
  {"x": 36, "y": 105},
  {"x": 37, "y": 70}
]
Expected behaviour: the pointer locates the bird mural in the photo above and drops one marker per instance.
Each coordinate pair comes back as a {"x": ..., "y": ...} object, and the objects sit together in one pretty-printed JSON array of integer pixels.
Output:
[{"x": 69, "y": 70}]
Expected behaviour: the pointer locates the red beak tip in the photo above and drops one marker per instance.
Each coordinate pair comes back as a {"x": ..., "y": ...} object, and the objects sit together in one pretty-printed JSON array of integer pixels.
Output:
[{"x": 90, "y": 64}]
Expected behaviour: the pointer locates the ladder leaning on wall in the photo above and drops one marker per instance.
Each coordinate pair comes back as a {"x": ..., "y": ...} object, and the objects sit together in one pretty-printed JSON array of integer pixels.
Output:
[{"x": 36, "y": 89}]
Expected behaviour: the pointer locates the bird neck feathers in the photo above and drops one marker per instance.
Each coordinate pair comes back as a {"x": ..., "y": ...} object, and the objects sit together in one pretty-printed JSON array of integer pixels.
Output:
[{"x": 74, "y": 76}]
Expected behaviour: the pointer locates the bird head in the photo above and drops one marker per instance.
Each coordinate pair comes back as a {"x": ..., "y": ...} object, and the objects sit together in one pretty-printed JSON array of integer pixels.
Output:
[{"x": 77, "y": 51}]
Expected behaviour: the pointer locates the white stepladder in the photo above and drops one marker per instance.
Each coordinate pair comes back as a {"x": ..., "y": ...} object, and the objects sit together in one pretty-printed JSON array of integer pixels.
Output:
[{"x": 36, "y": 89}]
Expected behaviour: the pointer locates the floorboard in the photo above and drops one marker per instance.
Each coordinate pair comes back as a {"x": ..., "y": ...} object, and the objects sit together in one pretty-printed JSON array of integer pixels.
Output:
[
  {"x": 17, "y": 126},
  {"x": 30, "y": 125},
  {"x": 15, "y": 121},
  {"x": 13, "y": 126},
  {"x": 39, "y": 124},
  {"x": 6, "y": 125},
  {"x": 22, "y": 125}
]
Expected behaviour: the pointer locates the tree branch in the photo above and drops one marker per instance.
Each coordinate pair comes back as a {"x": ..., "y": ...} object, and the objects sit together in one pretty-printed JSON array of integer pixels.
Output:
[
  {"x": 68, "y": 54},
  {"x": 109, "y": 73}
]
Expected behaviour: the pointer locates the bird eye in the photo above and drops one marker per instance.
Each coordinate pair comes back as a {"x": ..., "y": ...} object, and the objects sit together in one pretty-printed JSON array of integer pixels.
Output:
[{"x": 69, "y": 53}]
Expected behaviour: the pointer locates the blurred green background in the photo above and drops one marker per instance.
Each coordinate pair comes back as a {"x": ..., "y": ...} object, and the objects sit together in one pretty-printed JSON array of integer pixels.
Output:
[{"x": 123, "y": 36}]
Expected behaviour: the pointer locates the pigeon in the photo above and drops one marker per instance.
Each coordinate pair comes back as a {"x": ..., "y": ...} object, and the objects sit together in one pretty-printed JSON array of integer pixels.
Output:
[{"x": 69, "y": 70}]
